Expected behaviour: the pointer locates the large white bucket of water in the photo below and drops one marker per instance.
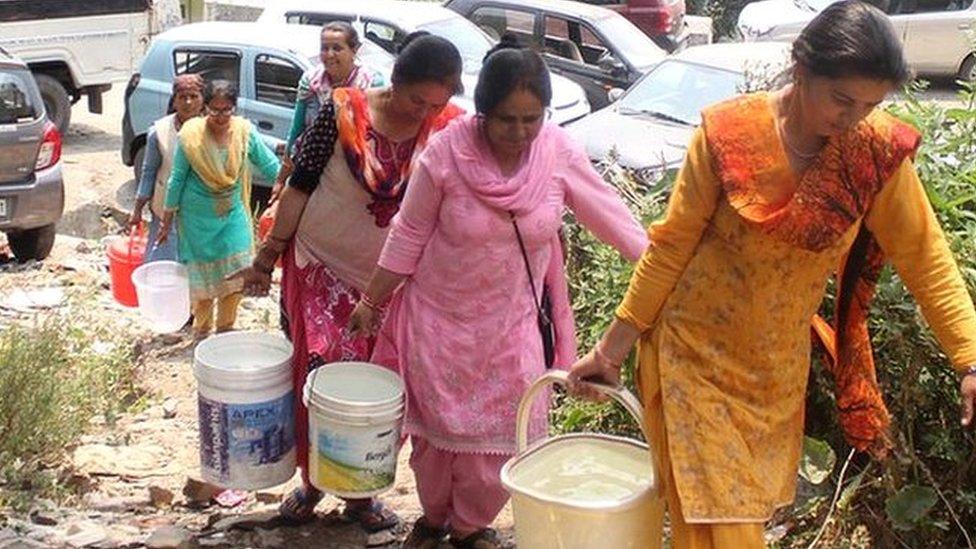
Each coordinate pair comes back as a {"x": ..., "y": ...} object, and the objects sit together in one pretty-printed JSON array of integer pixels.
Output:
[
  {"x": 583, "y": 491},
  {"x": 355, "y": 412},
  {"x": 163, "y": 290},
  {"x": 246, "y": 409}
]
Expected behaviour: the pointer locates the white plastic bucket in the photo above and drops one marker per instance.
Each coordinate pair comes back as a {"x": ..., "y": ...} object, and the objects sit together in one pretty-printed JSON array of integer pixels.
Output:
[
  {"x": 583, "y": 491},
  {"x": 355, "y": 411},
  {"x": 163, "y": 290},
  {"x": 246, "y": 409}
]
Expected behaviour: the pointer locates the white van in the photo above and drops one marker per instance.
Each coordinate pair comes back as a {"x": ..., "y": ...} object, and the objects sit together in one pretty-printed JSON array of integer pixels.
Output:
[{"x": 77, "y": 48}]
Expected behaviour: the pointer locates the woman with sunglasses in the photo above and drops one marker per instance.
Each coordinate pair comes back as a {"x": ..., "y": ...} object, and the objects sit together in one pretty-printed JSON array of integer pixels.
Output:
[{"x": 208, "y": 195}]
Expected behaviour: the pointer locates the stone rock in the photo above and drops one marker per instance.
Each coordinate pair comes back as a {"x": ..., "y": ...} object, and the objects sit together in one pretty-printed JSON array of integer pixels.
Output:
[
  {"x": 44, "y": 517},
  {"x": 169, "y": 408},
  {"x": 84, "y": 534},
  {"x": 381, "y": 539},
  {"x": 199, "y": 491},
  {"x": 160, "y": 497},
  {"x": 269, "y": 538},
  {"x": 267, "y": 497},
  {"x": 249, "y": 521},
  {"x": 144, "y": 460},
  {"x": 171, "y": 537}
]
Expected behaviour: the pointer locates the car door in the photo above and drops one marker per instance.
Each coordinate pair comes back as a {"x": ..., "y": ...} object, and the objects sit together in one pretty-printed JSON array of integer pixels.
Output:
[
  {"x": 268, "y": 101},
  {"x": 575, "y": 50},
  {"x": 937, "y": 34}
]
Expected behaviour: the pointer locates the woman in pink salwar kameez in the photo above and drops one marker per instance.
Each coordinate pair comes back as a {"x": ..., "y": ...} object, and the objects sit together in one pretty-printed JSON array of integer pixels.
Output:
[{"x": 463, "y": 330}]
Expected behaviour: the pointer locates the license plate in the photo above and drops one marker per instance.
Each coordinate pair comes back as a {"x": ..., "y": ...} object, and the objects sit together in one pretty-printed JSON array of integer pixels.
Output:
[{"x": 3, "y": 208}]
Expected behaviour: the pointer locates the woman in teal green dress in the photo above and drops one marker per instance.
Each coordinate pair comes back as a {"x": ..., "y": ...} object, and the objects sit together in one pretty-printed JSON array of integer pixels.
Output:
[{"x": 208, "y": 195}]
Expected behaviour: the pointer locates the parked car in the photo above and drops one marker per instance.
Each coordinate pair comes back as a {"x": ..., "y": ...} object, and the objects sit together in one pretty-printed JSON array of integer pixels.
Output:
[
  {"x": 936, "y": 33},
  {"x": 388, "y": 22},
  {"x": 649, "y": 127},
  {"x": 31, "y": 186},
  {"x": 78, "y": 49},
  {"x": 266, "y": 61},
  {"x": 662, "y": 20},
  {"x": 593, "y": 46}
]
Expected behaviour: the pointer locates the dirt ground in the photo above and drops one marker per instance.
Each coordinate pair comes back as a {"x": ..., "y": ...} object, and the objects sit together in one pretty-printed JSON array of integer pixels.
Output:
[{"x": 130, "y": 470}]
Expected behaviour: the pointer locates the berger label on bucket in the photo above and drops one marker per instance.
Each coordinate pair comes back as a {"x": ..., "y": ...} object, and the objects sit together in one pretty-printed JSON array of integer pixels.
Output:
[
  {"x": 359, "y": 463},
  {"x": 246, "y": 410},
  {"x": 241, "y": 442},
  {"x": 355, "y": 410}
]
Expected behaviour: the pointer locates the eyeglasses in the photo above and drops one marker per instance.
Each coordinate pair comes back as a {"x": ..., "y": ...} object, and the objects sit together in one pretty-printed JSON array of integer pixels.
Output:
[{"x": 222, "y": 112}]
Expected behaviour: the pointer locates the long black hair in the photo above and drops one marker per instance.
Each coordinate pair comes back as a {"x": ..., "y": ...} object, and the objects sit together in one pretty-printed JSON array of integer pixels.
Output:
[{"x": 852, "y": 38}]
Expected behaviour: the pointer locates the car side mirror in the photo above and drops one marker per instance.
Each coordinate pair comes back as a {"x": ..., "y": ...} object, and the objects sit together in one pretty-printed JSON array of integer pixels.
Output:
[
  {"x": 613, "y": 66},
  {"x": 615, "y": 94}
]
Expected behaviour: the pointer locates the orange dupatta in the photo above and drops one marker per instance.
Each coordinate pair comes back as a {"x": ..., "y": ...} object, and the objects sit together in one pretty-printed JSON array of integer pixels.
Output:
[{"x": 834, "y": 193}]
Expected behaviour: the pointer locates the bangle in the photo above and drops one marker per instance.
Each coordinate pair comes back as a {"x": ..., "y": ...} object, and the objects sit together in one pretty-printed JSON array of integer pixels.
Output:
[
  {"x": 604, "y": 358},
  {"x": 365, "y": 300},
  {"x": 969, "y": 371}
]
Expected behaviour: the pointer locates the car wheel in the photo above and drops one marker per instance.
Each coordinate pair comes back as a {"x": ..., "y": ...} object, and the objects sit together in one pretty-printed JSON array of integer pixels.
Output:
[
  {"x": 137, "y": 163},
  {"x": 56, "y": 101},
  {"x": 967, "y": 71},
  {"x": 32, "y": 243}
]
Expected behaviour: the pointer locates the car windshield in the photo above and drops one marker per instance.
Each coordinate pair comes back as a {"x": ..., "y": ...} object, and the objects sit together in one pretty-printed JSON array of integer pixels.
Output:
[
  {"x": 18, "y": 101},
  {"x": 640, "y": 51},
  {"x": 466, "y": 36},
  {"x": 678, "y": 91}
]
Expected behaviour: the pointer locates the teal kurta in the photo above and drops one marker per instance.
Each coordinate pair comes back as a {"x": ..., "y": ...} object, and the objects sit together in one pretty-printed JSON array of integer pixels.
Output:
[{"x": 211, "y": 246}]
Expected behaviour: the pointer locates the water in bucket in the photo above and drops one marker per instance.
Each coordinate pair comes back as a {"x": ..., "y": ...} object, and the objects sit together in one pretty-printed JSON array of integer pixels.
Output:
[
  {"x": 163, "y": 289},
  {"x": 355, "y": 411},
  {"x": 583, "y": 491},
  {"x": 246, "y": 409}
]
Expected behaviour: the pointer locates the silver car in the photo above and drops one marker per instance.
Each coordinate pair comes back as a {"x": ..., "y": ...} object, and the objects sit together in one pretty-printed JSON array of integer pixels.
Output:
[
  {"x": 649, "y": 127},
  {"x": 31, "y": 187},
  {"x": 936, "y": 33}
]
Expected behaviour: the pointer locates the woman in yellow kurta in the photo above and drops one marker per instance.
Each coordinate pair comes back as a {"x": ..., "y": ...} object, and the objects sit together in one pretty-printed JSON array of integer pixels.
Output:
[{"x": 778, "y": 189}]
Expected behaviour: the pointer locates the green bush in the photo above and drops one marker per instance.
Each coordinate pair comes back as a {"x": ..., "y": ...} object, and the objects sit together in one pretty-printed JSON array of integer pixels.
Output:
[
  {"x": 55, "y": 375},
  {"x": 925, "y": 494},
  {"x": 724, "y": 14}
]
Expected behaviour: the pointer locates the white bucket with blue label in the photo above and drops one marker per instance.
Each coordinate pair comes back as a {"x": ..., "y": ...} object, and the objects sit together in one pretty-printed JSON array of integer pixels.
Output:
[
  {"x": 355, "y": 412},
  {"x": 246, "y": 409}
]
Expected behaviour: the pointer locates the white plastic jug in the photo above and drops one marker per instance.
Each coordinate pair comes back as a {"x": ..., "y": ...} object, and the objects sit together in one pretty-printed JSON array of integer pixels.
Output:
[
  {"x": 583, "y": 491},
  {"x": 163, "y": 289}
]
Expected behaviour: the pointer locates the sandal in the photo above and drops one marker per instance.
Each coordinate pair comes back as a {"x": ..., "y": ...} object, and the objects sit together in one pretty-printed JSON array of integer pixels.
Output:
[
  {"x": 299, "y": 506},
  {"x": 486, "y": 538},
  {"x": 424, "y": 536},
  {"x": 371, "y": 515}
]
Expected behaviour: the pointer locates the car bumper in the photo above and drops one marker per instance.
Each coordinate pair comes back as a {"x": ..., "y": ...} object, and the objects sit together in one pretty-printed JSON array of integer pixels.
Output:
[{"x": 34, "y": 203}]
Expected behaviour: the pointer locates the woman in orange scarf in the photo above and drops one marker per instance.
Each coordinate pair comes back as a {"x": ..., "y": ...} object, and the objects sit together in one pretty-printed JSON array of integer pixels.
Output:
[{"x": 778, "y": 190}]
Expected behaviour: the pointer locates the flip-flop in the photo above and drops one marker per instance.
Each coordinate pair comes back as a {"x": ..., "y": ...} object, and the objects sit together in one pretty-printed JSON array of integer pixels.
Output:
[
  {"x": 299, "y": 506},
  {"x": 486, "y": 538},
  {"x": 372, "y": 517},
  {"x": 424, "y": 536}
]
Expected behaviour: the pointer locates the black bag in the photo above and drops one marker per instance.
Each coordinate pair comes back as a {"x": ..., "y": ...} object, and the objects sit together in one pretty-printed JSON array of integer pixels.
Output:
[{"x": 543, "y": 305}]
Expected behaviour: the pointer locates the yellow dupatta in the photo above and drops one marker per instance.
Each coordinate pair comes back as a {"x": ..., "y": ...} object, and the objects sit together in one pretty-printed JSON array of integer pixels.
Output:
[{"x": 219, "y": 175}]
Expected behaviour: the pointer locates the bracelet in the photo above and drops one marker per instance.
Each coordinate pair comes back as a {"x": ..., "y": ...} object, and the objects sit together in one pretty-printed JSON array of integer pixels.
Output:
[
  {"x": 365, "y": 300},
  {"x": 969, "y": 371},
  {"x": 603, "y": 357}
]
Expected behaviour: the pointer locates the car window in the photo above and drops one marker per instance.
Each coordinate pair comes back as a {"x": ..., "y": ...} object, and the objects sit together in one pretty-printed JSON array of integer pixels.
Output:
[
  {"x": 276, "y": 80},
  {"x": 630, "y": 42},
  {"x": 18, "y": 99},
  {"x": 497, "y": 21},
  {"x": 471, "y": 41},
  {"x": 606, "y": 2},
  {"x": 386, "y": 36},
  {"x": 315, "y": 19},
  {"x": 211, "y": 65},
  {"x": 575, "y": 41}
]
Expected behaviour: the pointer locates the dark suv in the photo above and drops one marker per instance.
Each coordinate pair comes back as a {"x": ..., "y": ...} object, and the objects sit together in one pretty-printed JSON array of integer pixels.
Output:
[{"x": 31, "y": 187}]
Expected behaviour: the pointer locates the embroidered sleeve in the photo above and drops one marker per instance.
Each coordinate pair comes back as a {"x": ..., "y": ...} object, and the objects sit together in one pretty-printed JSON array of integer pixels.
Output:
[{"x": 317, "y": 146}]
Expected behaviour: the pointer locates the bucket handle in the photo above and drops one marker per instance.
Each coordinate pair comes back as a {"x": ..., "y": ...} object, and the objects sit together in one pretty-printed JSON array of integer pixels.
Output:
[
  {"x": 141, "y": 230},
  {"x": 559, "y": 377}
]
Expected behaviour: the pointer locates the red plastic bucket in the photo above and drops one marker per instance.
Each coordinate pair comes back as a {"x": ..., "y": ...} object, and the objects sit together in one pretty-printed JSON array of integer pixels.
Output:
[{"x": 124, "y": 255}]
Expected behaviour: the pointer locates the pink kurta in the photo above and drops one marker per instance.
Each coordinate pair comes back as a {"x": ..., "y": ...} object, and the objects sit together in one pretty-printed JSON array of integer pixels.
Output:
[{"x": 463, "y": 330}]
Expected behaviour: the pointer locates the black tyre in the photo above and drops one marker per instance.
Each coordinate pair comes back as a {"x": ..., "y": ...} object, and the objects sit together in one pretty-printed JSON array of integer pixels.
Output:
[
  {"x": 57, "y": 103},
  {"x": 967, "y": 71},
  {"x": 137, "y": 163},
  {"x": 32, "y": 243}
]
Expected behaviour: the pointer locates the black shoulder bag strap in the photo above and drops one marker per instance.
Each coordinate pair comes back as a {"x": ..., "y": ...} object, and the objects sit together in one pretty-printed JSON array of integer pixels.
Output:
[{"x": 543, "y": 304}]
